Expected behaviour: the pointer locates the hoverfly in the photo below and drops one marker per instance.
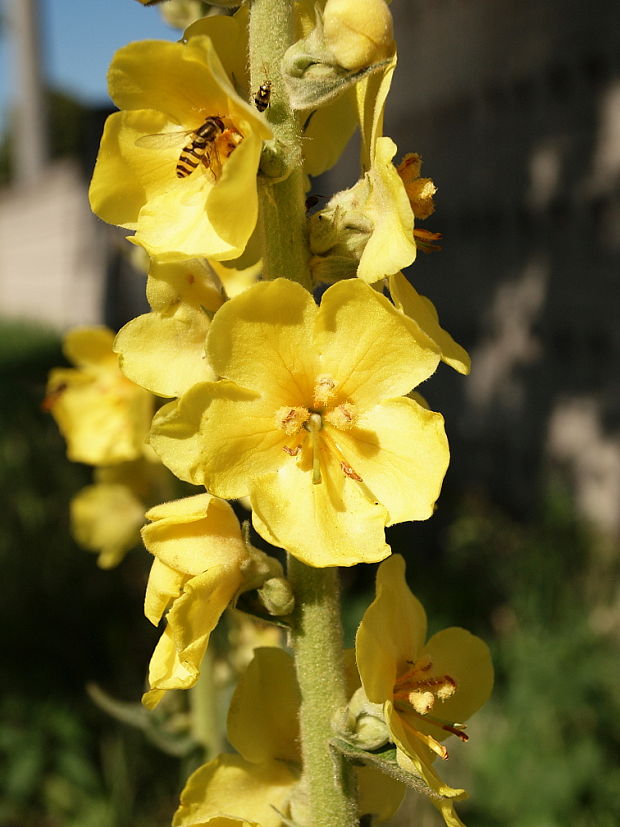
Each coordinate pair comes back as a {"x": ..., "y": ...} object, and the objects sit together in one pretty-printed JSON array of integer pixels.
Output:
[
  {"x": 209, "y": 144},
  {"x": 262, "y": 96}
]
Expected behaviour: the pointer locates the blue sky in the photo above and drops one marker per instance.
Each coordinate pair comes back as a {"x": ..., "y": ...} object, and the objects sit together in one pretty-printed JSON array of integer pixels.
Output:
[{"x": 79, "y": 38}]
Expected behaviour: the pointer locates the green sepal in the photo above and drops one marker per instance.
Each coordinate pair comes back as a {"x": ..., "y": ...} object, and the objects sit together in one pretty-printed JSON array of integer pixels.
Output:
[{"x": 384, "y": 760}]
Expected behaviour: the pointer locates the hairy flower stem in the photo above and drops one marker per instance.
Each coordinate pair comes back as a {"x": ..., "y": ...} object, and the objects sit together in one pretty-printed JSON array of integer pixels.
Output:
[
  {"x": 317, "y": 641},
  {"x": 281, "y": 182},
  {"x": 317, "y": 633}
]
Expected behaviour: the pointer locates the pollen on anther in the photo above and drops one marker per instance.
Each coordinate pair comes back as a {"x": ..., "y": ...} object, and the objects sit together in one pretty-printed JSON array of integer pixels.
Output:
[
  {"x": 323, "y": 389},
  {"x": 291, "y": 418}
]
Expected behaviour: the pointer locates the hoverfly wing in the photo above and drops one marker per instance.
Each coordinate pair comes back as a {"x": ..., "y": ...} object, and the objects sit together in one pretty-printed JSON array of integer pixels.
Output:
[{"x": 162, "y": 140}]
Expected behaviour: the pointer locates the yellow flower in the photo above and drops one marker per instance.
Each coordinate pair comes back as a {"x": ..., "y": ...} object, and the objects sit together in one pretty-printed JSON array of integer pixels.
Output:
[
  {"x": 258, "y": 782},
  {"x": 366, "y": 230},
  {"x": 103, "y": 416},
  {"x": 427, "y": 688},
  {"x": 141, "y": 182},
  {"x": 106, "y": 517},
  {"x": 311, "y": 420},
  {"x": 197, "y": 571}
]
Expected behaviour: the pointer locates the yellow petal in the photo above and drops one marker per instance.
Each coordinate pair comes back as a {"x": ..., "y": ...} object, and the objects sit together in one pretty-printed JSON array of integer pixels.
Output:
[
  {"x": 329, "y": 524},
  {"x": 192, "y": 281},
  {"x": 379, "y": 795},
  {"x": 371, "y": 96},
  {"x": 103, "y": 416},
  {"x": 178, "y": 655},
  {"x": 194, "y": 534},
  {"x": 126, "y": 174},
  {"x": 392, "y": 631},
  {"x": 328, "y": 132},
  {"x": 229, "y": 36},
  {"x": 422, "y": 313},
  {"x": 173, "y": 78},
  {"x": 466, "y": 658},
  {"x": 232, "y": 786},
  {"x": 366, "y": 347},
  {"x": 269, "y": 684},
  {"x": 163, "y": 587},
  {"x": 106, "y": 518},
  {"x": 219, "y": 435},
  {"x": 391, "y": 245},
  {"x": 400, "y": 451},
  {"x": 262, "y": 339},
  {"x": 164, "y": 351},
  {"x": 89, "y": 346}
]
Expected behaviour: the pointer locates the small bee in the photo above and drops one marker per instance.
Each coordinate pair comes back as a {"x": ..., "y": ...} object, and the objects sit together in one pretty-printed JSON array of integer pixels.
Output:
[
  {"x": 262, "y": 96},
  {"x": 210, "y": 144}
]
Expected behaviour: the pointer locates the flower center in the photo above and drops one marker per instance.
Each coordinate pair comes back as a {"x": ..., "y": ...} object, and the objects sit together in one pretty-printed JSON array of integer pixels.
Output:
[
  {"x": 416, "y": 691},
  {"x": 308, "y": 423}
]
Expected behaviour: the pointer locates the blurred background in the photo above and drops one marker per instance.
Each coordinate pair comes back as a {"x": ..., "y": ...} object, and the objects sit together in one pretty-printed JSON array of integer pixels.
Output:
[{"x": 515, "y": 108}]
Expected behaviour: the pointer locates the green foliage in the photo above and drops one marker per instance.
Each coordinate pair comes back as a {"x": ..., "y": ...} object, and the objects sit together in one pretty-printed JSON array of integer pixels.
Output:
[{"x": 546, "y": 752}]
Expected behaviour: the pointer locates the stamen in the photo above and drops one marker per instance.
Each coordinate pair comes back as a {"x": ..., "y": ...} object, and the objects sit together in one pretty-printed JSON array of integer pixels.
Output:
[
  {"x": 350, "y": 472},
  {"x": 428, "y": 740},
  {"x": 323, "y": 390},
  {"x": 291, "y": 418},
  {"x": 343, "y": 417},
  {"x": 292, "y": 452}
]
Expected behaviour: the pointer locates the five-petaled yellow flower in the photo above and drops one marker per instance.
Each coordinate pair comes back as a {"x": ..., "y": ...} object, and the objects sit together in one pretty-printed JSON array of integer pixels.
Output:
[
  {"x": 178, "y": 165},
  {"x": 310, "y": 419},
  {"x": 427, "y": 688}
]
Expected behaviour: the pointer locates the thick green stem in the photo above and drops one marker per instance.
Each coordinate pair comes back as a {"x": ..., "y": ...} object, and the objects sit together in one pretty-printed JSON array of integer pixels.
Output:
[
  {"x": 281, "y": 182},
  {"x": 317, "y": 641},
  {"x": 316, "y": 634}
]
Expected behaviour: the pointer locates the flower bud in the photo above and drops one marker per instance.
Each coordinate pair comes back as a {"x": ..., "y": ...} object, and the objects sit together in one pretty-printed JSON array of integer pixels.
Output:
[
  {"x": 277, "y": 597},
  {"x": 358, "y": 34}
]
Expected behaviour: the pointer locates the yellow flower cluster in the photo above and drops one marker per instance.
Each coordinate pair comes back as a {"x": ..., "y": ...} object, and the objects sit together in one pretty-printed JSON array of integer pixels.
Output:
[{"x": 300, "y": 404}]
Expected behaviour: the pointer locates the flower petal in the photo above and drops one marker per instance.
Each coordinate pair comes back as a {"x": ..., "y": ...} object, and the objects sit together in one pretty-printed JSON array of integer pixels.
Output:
[
  {"x": 367, "y": 347},
  {"x": 466, "y": 658},
  {"x": 262, "y": 339},
  {"x": 219, "y": 435},
  {"x": 176, "y": 661},
  {"x": 231, "y": 786},
  {"x": 392, "y": 631},
  {"x": 174, "y": 78},
  {"x": 422, "y": 313},
  {"x": 269, "y": 683},
  {"x": 332, "y": 523},
  {"x": 400, "y": 451},
  {"x": 194, "y": 534},
  {"x": 391, "y": 245},
  {"x": 164, "y": 351}
]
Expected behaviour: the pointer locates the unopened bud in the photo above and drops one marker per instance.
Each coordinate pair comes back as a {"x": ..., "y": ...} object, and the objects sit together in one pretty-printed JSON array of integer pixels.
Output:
[
  {"x": 358, "y": 34},
  {"x": 277, "y": 597}
]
